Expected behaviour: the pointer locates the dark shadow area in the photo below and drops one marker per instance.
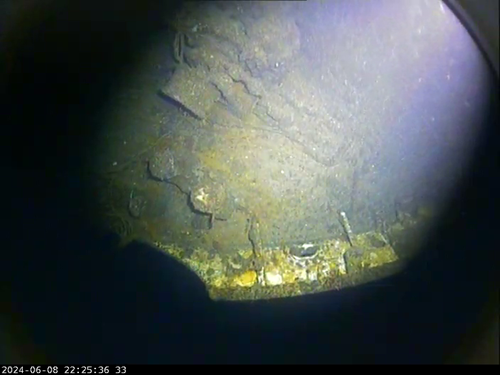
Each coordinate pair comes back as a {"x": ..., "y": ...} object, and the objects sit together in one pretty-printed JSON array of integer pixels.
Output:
[{"x": 81, "y": 299}]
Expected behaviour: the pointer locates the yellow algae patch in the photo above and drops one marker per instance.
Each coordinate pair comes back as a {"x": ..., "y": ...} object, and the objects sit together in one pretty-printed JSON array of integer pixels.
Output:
[{"x": 246, "y": 279}]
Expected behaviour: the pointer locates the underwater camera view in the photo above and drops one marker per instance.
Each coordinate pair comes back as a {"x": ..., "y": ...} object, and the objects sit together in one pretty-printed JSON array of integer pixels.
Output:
[{"x": 284, "y": 148}]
